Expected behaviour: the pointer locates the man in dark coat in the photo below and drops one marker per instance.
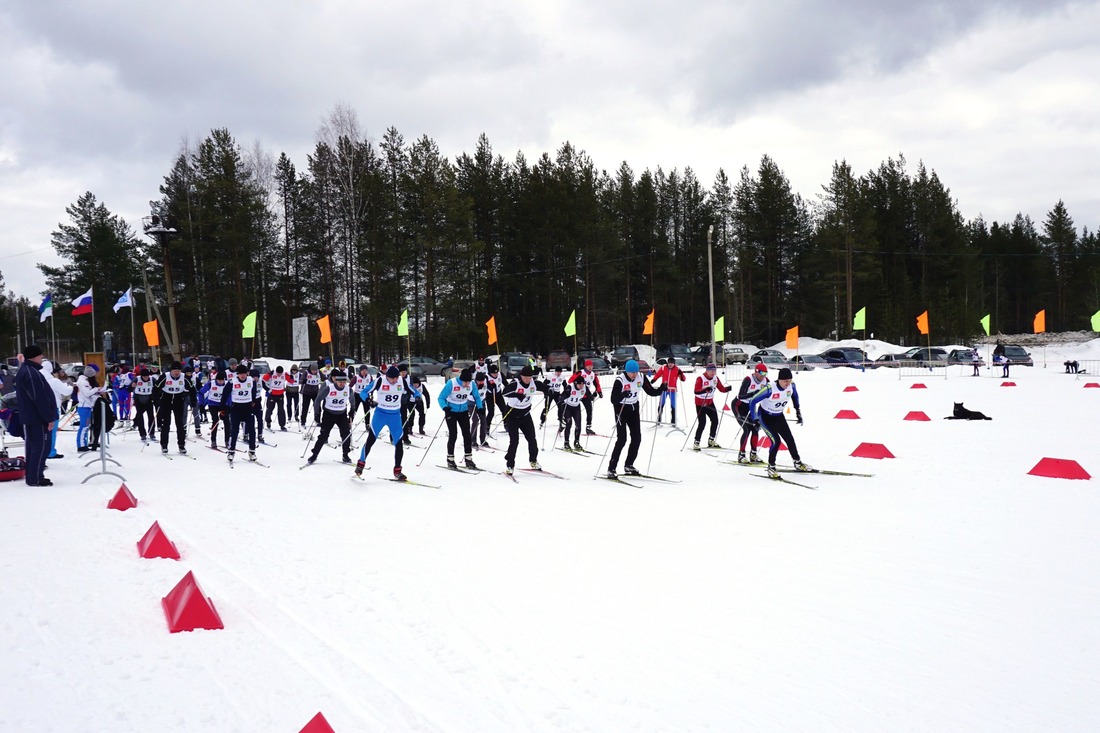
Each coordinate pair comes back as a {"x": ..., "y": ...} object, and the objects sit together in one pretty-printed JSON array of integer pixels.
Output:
[{"x": 38, "y": 412}]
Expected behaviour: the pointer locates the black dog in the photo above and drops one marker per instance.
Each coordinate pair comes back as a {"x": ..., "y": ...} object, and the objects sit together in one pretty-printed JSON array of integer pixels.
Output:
[{"x": 961, "y": 413}]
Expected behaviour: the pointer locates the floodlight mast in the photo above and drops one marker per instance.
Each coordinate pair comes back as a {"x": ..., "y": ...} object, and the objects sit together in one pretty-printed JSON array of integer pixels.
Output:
[{"x": 162, "y": 234}]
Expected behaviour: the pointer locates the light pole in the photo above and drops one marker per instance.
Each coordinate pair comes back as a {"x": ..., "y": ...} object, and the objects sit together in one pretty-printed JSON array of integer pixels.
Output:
[
  {"x": 163, "y": 235},
  {"x": 710, "y": 277}
]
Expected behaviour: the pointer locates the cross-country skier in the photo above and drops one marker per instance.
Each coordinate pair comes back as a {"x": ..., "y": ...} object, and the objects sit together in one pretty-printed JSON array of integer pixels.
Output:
[
  {"x": 479, "y": 425},
  {"x": 310, "y": 381},
  {"x": 241, "y": 399},
  {"x": 360, "y": 382},
  {"x": 419, "y": 406},
  {"x": 576, "y": 389},
  {"x": 275, "y": 385},
  {"x": 705, "y": 385},
  {"x": 332, "y": 410},
  {"x": 144, "y": 412},
  {"x": 670, "y": 376},
  {"x": 389, "y": 393},
  {"x": 767, "y": 407},
  {"x": 625, "y": 395},
  {"x": 212, "y": 396},
  {"x": 515, "y": 405},
  {"x": 173, "y": 392},
  {"x": 751, "y": 385},
  {"x": 454, "y": 399},
  {"x": 292, "y": 392},
  {"x": 556, "y": 381},
  {"x": 595, "y": 391}
]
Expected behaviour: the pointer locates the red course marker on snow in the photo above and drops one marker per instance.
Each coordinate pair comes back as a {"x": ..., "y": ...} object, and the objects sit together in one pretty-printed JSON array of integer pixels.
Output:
[
  {"x": 916, "y": 415},
  {"x": 156, "y": 544},
  {"x": 872, "y": 450},
  {"x": 187, "y": 609},
  {"x": 122, "y": 499},
  {"x": 1008, "y": 384},
  {"x": 918, "y": 385},
  {"x": 767, "y": 443},
  {"x": 1059, "y": 468},
  {"x": 846, "y": 415},
  {"x": 851, "y": 388},
  {"x": 1093, "y": 384},
  {"x": 317, "y": 724}
]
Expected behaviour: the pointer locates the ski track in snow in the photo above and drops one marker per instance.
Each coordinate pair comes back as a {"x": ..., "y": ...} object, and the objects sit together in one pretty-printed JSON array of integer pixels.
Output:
[{"x": 950, "y": 592}]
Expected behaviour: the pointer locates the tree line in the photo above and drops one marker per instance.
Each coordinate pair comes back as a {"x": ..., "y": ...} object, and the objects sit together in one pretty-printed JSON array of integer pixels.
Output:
[{"x": 363, "y": 230}]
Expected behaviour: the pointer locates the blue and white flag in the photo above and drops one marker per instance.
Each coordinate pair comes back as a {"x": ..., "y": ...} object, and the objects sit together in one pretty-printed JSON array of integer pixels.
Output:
[
  {"x": 46, "y": 309},
  {"x": 126, "y": 301}
]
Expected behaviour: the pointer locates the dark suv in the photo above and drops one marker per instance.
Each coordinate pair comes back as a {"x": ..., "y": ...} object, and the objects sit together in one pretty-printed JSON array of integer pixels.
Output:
[
  {"x": 1018, "y": 355},
  {"x": 845, "y": 357}
]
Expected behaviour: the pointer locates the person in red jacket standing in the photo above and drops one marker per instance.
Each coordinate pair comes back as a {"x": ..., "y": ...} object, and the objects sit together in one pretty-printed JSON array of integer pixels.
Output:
[
  {"x": 705, "y": 385},
  {"x": 671, "y": 376}
]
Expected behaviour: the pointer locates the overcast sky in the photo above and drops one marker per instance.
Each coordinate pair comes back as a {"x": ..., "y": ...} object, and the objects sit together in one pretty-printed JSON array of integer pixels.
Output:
[{"x": 1000, "y": 98}]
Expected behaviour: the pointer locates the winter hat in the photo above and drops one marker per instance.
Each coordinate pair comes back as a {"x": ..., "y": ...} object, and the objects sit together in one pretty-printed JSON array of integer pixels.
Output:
[
  {"x": 672, "y": 360},
  {"x": 479, "y": 377},
  {"x": 47, "y": 366},
  {"x": 278, "y": 370},
  {"x": 393, "y": 372},
  {"x": 363, "y": 368},
  {"x": 403, "y": 367},
  {"x": 526, "y": 372},
  {"x": 91, "y": 370},
  {"x": 144, "y": 372},
  {"x": 175, "y": 365},
  {"x": 762, "y": 367},
  {"x": 328, "y": 362},
  {"x": 415, "y": 379},
  {"x": 466, "y": 375},
  {"x": 558, "y": 368},
  {"x": 588, "y": 363},
  {"x": 630, "y": 366},
  {"x": 493, "y": 369},
  {"x": 242, "y": 369},
  {"x": 220, "y": 374},
  {"x": 785, "y": 373},
  {"x": 31, "y": 351},
  {"x": 338, "y": 374},
  {"x": 710, "y": 367},
  {"x": 254, "y": 372}
]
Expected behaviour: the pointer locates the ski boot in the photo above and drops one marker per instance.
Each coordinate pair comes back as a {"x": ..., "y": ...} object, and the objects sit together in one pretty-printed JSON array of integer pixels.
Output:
[
  {"x": 631, "y": 471},
  {"x": 800, "y": 466},
  {"x": 484, "y": 444},
  {"x": 695, "y": 446},
  {"x": 611, "y": 474},
  {"x": 347, "y": 460},
  {"x": 508, "y": 471},
  {"x": 183, "y": 450},
  {"x": 229, "y": 457},
  {"x": 712, "y": 443},
  {"x": 470, "y": 462},
  {"x": 577, "y": 446},
  {"x": 163, "y": 451},
  {"x": 741, "y": 458},
  {"x": 311, "y": 460},
  {"x": 398, "y": 475},
  {"x": 451, "y": 462},
  {"x": 772, "y": 472},
  {"x": 754, "y": 457},
  {"x": 252, "y": 456},
  {"x": 359, "y": 466},
  {"x": 535, "y": 466},
  {"x": 589, "y": 431}
]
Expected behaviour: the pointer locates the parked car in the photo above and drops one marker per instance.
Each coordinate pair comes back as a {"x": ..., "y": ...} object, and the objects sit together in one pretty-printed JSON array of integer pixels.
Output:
[
  {"x": 925, "y": 356},
  {"x": 428, "y": 365},
  {"x": 808, "y": 362},
  {"x": 415, "y": 370},
  {"x": 262, "y": 366},
  {"x": 769, "y": 360},
  {"x": 769, "y": 352},
  {"x": 848, "y": 357},
  {"x": 73, "y": 370},
  {"x": 734, "y": 354},
  {"x": 890, "y": 360},
  {"x": 639, "y": 352},
  {"x": 965, "y": 356},
  {"x": 511, "y": 362},
  {"x": 558, "y": 358},
  {"x": 684, "y": 354},
  {"x": 1018, "y": 355},
  {"x": 600, "y": 365}
]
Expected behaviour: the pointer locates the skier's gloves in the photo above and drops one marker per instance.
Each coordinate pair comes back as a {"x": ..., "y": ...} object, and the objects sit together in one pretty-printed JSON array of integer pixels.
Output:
[{"x": 798, "y": 416}]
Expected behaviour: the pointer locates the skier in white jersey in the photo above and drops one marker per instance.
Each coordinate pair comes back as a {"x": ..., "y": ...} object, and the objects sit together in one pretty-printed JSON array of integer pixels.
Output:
[
  {"x": 310, "y": 382},
  {"x": 592, "y": 381},
  {"x": 556, "y": 381},
  {"x": 212, "y": 396},
  {"x": 331, "y": 410},
  {"x": 767, "y": 408},
  {"x": 515, "y": 404},
  {"x": 241, "y": 398},
  {"x": 575, "y": 390},
  {"x": 144, "y": 414},
  {"x": 625, "y": 396},
  {"x": 173, "y": 392},
  {"x": 389, "y": 393}
]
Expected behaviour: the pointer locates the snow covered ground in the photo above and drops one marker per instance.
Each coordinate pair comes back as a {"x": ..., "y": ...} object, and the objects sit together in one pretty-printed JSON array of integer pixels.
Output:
[{"x": 950, "y": 592}]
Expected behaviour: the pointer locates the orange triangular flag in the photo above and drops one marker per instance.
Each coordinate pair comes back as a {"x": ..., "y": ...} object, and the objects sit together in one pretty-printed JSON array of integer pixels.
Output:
[
  {"x": 647, "y": 329},
  {"x": 922, "y": 323},
  {"x": 491, "y": 325}
]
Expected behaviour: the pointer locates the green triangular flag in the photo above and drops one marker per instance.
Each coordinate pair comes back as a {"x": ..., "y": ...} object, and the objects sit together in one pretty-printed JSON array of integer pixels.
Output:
[
  {"x": 859, "y": 323},
  {"x": 1096, "y": 321},
  {"x": 985, "y": 323},
  {"x": 720, "y": 329},
  {"x": 571, "y": 326},
  {"x": 403, "y": 324},
  {"x": 248, "y": 326}
]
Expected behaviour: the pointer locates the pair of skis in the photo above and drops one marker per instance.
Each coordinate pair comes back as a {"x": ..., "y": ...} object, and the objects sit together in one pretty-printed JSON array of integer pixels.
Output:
[{"x": 640, "y": 476}]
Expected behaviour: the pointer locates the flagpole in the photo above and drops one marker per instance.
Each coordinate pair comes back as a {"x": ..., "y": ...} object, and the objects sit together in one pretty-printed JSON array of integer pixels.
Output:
[
  {"x": 93, "y": 322},
  {"x": 53, "y": 337},
  {"x": 133, "y": 333}
]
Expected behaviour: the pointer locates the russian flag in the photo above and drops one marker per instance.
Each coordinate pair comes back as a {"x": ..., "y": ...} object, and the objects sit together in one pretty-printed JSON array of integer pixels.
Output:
[{"x": 83, "y": 304}]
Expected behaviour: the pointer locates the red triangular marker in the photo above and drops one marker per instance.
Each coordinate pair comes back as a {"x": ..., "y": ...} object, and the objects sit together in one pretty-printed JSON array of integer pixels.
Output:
[
  {"x": 1059, "y": 468},
  {"x": 187, "y": 609},
  {"x": 317, "y": 724},
  {"x": 156, "y": 544},
  {"x": 122, "y": 500}
]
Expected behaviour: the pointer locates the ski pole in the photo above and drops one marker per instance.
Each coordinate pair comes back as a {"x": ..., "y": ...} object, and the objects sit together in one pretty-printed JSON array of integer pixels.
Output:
[
  {"x": 649, "y": 464},
  {"x": 687, "y": 435},
  {"x": 432, "y": 442},
  {"x": 608, "y": 446}
]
